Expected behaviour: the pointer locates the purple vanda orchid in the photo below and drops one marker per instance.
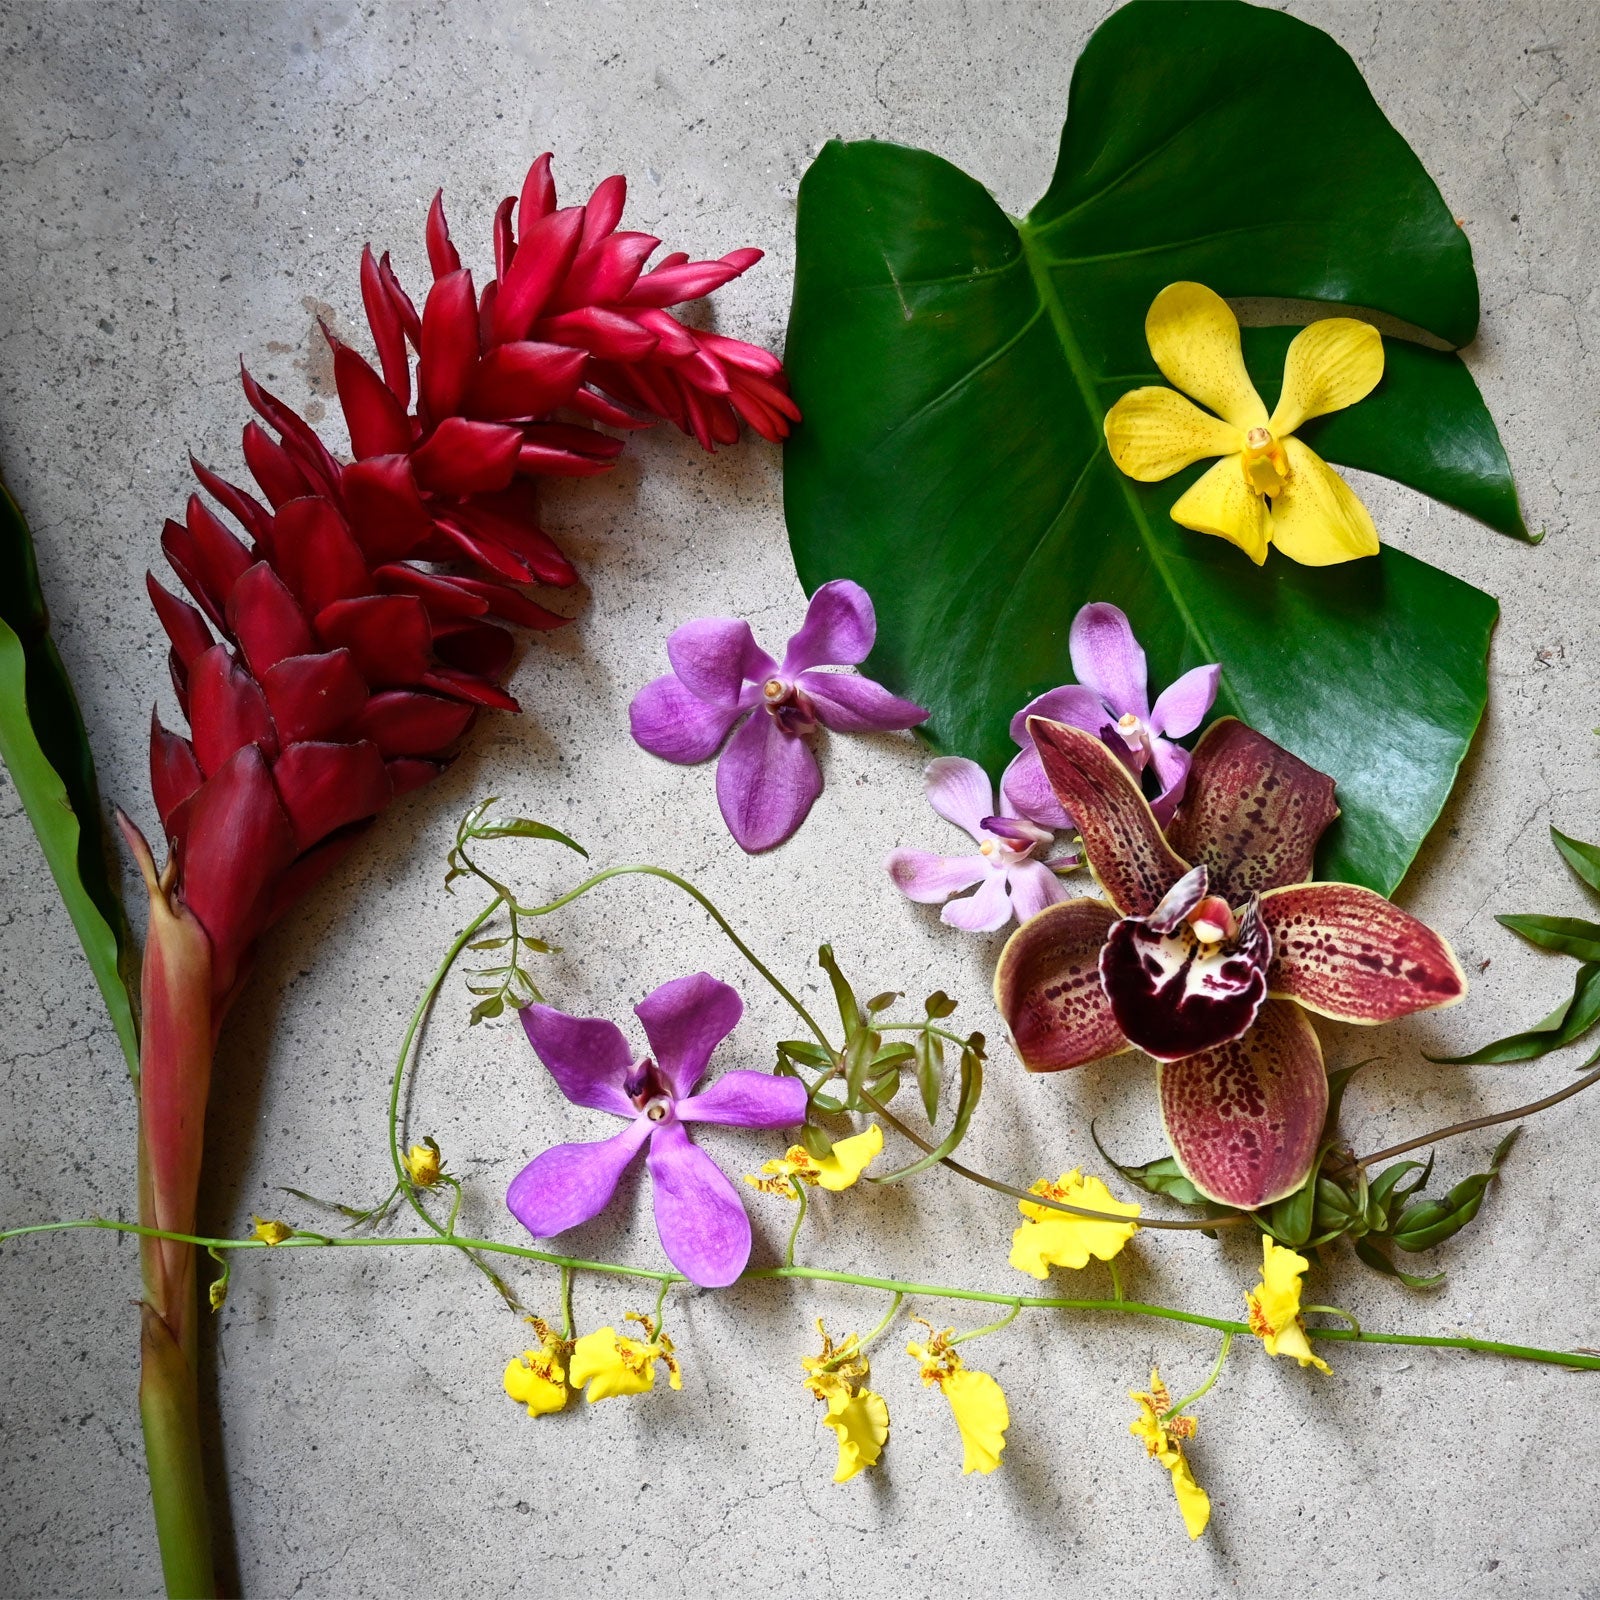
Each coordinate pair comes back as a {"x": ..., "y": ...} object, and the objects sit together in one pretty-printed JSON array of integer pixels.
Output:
[
  {"x": 699, "y": 1216},
  {"x": 767, "y": 777},
  {"x": 1111, "y": 699},
  {"x": 1012, "y": 878}
]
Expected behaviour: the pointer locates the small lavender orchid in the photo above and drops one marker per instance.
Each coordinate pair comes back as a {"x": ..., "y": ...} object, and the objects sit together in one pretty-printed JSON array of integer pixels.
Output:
[
  {"x": 1111, "y": 699},
  {"x": 1011, "y": 879},
  {"x": 767, "y": 777},
  {"x": 699, "y": 1216}
]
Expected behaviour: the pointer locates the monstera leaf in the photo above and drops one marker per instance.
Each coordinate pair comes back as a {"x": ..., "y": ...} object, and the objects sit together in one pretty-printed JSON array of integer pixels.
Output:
[{"x": 955, "y": 365}]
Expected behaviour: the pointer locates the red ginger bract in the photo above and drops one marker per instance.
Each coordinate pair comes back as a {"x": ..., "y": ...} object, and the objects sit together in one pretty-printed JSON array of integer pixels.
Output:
[{"x": 348, "y": 664}]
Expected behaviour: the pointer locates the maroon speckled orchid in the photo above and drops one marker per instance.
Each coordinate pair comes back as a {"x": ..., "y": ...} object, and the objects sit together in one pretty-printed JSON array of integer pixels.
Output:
[{"x": 1211, "y": 967}]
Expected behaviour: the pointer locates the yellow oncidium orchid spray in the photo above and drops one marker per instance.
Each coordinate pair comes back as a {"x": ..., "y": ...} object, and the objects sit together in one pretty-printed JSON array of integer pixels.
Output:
[
  {"x": 837, "y": 1170},
  {"x": 1051, "y": 1238},
  {"x": 537, "y": 1378},
  {"x": 1275, "y": 1306},
  {"x": 1163, "y": 1438},
  {"x": 978, "y": 1402},
  {"x": 858, "y": 1416},
  {"x": 611, "y": 1364},
  {"x": 1270, "y": 488}
]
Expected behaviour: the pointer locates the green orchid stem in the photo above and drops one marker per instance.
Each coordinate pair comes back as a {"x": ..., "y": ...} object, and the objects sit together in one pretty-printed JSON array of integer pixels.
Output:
[
  {"x": 920, "y": 1291},
  {"x": 1333, "y": 1311},
  {"x": 1482, "y": 1122},
  {"x": 418, "y": 1016},
  {"x": 711, "y": 911},
  {"x": 1216, "y": 1372},
  {"x": 992, "y": 1327},
  {"x": 794, "y": 1233},
  {"x": 1116, "y": 1280},
  {"x": 566, "y": 1303},
  {"x": 888, "y": 1317}
]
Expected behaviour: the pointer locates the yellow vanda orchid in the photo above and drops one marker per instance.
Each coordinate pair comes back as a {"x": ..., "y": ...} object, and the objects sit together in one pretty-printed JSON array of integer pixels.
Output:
[
  {"x": 1163, "y": 1441},
  {"x": 612, "y": 1364},
  {"x": 858, "y": 1416},
  {"x": 976, "y": 1400},
  {"x": 1051, "y": 1238},
  {"x": 1275, "y": 1306},
  {"x": 1269, "y": 488},
  {"x": 537, "y": 1378},
  {"x": 837, "y": 1170}
]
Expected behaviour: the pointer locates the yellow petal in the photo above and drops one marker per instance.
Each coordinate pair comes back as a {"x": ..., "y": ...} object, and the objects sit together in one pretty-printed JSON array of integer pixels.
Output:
[
  {"x": 849, "y": 1158},
  {"x": 862, "y": 1423},
  {"x": 1330, "y": 365},
  {"x": 1194, "y": 337},
  {"x": 1193, "y": 1502},
  {"x": 981, "y": 1413},
  {"x": 1153, "y": 433},
  {"x": 1221, "y": 502},
  {"x": 598, "y": 1361},
  {"x": 1056, "y": 1238},
  {"x": 536, "y": 1384},
  {"x": 1317, "y": 520}
]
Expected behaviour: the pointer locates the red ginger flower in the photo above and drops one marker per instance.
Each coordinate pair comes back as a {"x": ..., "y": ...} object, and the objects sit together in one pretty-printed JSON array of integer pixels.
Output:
[
  {"x": 1207, "y": 967},
  {"x": 347, "y": 671}
]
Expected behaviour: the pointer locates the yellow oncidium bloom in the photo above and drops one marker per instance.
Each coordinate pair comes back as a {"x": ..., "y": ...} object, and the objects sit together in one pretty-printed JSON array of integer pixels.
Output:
[
  {"x": 837, "y": 1170},
  {"x": 858, "y": 1416},
  {"x": 1275, "y": 1306},
  {"x": 423, "y": 1164},
  {"x": 1163, "y": 1441},
  {"x": 1269, "y": 488},
  {"x": 537, "y": 1379},
  {"x": 610, "y": 1363},
  {"x": 978, "y": 1402},
  {"x": 1057, "y": 1238},
  {"x": 269, "y": 1232}
]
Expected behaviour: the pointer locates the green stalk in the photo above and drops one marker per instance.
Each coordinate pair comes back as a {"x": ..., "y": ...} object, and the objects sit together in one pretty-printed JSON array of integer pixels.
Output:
[{"x": 1575, "y": 1359}]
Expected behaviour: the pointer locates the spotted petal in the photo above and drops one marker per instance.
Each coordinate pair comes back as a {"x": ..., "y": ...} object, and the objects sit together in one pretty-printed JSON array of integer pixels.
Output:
[
  {"x": 1347, "y": 953},
  {"x": 1244, "y": 1119},
  {"x": 1252, "y": 813},
  {"x": 1128, "y": 854},
  {"x": 1047, "y": 987},
  {"x": 1318, "y": 519},
  {"x": 1153, "y": 433},
  {"x": 1194, "y": 336}
]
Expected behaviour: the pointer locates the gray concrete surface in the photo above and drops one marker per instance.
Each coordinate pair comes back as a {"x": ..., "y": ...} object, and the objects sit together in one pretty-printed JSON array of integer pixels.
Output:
[{"x": 183, "y": 182}]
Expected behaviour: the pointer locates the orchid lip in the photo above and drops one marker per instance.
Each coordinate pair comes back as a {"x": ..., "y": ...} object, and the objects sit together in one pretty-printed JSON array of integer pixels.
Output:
[
  {"x": 645, "y": 1088},
  {"x": 789, "y": 705}
]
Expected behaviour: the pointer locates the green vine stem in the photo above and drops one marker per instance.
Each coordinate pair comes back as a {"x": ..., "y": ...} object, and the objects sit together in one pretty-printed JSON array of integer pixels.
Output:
[
  {"x": 1205, "y": 1388},
  {"x": 1578, "y": 1360}
]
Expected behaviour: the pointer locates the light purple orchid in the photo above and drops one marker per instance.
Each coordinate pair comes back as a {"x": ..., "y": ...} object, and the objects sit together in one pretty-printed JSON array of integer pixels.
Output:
[
  {"x": 1012, "y": 879},
  {"x": 767, "y": 778},
  {"x": 1111, "y": 699},
  {"x": 701, "y": 1220}
]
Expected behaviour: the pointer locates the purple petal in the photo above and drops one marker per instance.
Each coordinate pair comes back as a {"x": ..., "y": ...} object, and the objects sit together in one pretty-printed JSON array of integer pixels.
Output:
[
  {"x": 570, "y": 1183},
  {"x": 671, "y": 722},
  {"x": 1033, "y": 887},
  {"x": 748, "y": 1100},
  {"x": 767, "y": 780},
  {"x": 1070, "y": 703},
  {"x": 587, "y": 1056},
  {"x": 715, "y": 656},
  {"x": 839, "y": 629},
  {"x": 686, "y": 1020},
  {"x": 1024, "y": 787},
  {"x": 923, "y": 876},
  {"x": 848, "y": 703},
  {"x": 699, "y": 1216},
  {"x": 1181, "y": 707},
  {"x": 960, "y": 791},
  {"x": 983, "y": 912},
  {"x": 1171, "y": 762},
  {"x": 1107, "y": 658}
]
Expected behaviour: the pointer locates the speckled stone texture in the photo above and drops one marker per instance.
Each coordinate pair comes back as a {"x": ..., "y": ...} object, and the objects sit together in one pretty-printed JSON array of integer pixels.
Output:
[{"x": 184, "y": 182}]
